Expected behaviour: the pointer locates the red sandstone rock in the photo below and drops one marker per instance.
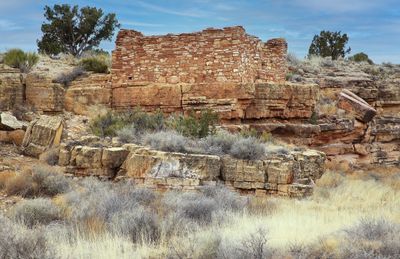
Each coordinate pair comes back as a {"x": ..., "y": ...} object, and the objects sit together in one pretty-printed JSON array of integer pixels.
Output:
[
  {"x": 212, "y": 55},
  {"x": 354, "y": 104},
  {"x": 92, "y": 90}
]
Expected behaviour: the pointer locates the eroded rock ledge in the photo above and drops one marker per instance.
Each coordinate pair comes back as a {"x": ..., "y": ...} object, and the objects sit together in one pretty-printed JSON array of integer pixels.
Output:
[{"x": 291, "y": 175}]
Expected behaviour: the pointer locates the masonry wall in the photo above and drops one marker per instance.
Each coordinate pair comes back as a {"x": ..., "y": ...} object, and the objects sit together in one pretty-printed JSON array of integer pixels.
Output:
[
  {"x": 212, "y": 55},
  {"x": 214, "y": 68}
]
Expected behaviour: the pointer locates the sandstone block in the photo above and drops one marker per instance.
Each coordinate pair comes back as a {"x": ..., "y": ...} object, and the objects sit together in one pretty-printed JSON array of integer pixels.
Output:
[
  {"x": 86, "y": 157},
  {"x": 113, "y": 157},
  {"x": 42, "y": 134},
  {"x": 144, "y": 163},
  {"x": 248, "y": 185},
  {"x": 279, "y": 171},
  {"x": 350, "y": 102},
  {"x": 311, "y": 164},
  {"x": 242, "y": 170},
  {"x": 9, "y": 122}
]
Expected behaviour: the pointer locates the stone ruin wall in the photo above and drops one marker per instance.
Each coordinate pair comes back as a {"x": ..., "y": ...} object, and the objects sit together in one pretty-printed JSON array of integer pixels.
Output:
[
  {"x": 218, "y": 69},
  {"x": 212, "y": 55}
]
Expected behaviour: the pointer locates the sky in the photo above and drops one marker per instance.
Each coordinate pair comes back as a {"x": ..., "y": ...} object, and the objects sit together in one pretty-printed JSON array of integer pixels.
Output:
[{"x": 373, "y": 26}]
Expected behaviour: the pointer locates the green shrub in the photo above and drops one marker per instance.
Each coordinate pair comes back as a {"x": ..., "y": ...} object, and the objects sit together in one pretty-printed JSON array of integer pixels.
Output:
[
  {"x": 144, "y": 121},
  {"x": 129, "y": 125},
  {"x": 195, "y": 126},
  {"x": 314, "y": 118},
  {"x": 361, "y": 57},
  {"x": 17, "y": 58},
  {"x": 107, "y": 125},
  {"x": 97, "y": 64},
  {"x": 14, "y": 58}
]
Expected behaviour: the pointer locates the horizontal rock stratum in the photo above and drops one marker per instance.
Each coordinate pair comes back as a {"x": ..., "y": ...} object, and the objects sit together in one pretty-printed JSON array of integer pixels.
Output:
[{"x": 291, "y": 174}]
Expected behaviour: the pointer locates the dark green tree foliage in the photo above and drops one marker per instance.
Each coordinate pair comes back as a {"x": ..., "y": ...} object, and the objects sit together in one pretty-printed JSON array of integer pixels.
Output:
[
  {"x": 329, "y": 44},
  {"x": 361, "y": 57},
  {"x": 70, "y": 30}
]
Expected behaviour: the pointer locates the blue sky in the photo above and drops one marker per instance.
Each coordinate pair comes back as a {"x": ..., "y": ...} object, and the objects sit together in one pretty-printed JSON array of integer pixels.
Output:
[{"x": 372, "y": 25}]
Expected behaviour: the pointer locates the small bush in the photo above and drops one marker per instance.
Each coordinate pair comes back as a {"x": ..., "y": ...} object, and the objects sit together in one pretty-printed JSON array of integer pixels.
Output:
[
  {"x": 17, "y": 58},
  {"x": 247, "y": 148},
  {"x": 96, "y": 64},
  {"x": 361, "y": 57},
  {"x": 50, "y": 156},
  {"x": 227, "y": 200},
  {"x": 21, "y": 184},
  {"x": 144, "y": 121},
  {"x": 49, "y": 182},
  {"x": 107, "y": 125},
  {"x": 218, "y": 144},
  {"x": 194, "y": 207},
  {"x": 198, "y": 126},
  {"x": 66, "y": 78},
  {"x": 166, "y": 141},
  {"x": 140, "y": 196},
  {"x": 372, "y": 238},
  {"x": 140, "y": 225},
  {"x": 314, "y": 118},
  {"x": 14, "y": 58},
  {"x": 255, "y": 245},
  {"x": 19, "y": 242},
  {"x": 128, "y": 134},
  {"x": 39, "y": 211}
]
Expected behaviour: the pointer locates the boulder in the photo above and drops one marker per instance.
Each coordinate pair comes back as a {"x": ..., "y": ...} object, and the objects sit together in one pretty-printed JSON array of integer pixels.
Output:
[
  {"x": 12, "y": 137},
  {"x": 311, "y": 164},
  {"x": 113, "y": 157},
  {"x": 9, "y": 122},
  {"x": 350, "y": 102},
  {"x": 42, "y": 134},
  {"x": 85, "y": 157},
  {"x": 143, "y": 163}
]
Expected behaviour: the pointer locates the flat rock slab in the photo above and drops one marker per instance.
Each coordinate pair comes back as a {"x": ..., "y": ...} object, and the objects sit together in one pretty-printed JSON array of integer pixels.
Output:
[
  {"x": 352, "y": 103},
  {"x": 10, "y": 122}
]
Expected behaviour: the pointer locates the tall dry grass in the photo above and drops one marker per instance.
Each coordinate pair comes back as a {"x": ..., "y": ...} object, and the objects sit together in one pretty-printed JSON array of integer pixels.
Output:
[{"x": 263, "y": 227}]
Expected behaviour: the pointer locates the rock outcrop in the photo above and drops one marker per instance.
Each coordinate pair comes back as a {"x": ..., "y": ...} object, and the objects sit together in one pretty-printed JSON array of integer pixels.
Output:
[
  {"x": 88, "y": 92},
  {"x": 9, "y": 122},
  {"x": 356, "y": 105},
  {"x": 11, "y": 88},
  {"x": 42, "y": 134},
  {"x": 291, "y": 175}
]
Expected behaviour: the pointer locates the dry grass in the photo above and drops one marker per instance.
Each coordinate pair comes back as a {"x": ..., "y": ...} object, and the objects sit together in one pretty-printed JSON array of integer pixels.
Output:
[
  {"x": 307, "y": 228},
  {"x": 20, "y": 184},
  {"x": 5, "y": 177}
]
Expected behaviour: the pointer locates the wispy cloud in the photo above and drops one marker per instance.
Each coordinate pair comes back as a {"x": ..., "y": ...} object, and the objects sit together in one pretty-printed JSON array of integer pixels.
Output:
[
  {"x": 6, "y": 25},
  {"x": 141, "y": 24},
  {"x": 196, "y": 13},
  {"x": 342, "y": 5}
]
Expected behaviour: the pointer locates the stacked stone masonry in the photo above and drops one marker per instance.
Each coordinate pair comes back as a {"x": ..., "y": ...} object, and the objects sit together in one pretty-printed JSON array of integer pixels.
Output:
[{"x": 219, "y": 69}]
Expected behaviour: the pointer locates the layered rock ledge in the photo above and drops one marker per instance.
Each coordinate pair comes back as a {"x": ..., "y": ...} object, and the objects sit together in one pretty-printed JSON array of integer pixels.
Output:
[{"x": 291, "y": 174}]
